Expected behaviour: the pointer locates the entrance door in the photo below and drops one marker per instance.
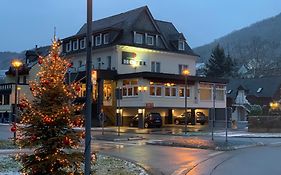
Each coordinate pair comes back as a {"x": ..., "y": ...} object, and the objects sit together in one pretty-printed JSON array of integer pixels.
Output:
[{"x": 170, "y": 116}]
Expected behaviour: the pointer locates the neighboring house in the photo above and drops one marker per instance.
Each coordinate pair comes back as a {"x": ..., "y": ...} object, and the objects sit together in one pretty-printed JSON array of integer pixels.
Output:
[
  {"x": 26, "y": 73},
  {"x": 243, "y": 93},
  {"x": 144, "y": 57}
]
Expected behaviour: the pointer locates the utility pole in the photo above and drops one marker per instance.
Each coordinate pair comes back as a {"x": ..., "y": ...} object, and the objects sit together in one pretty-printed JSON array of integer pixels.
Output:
[{"x": 89, "y": 85}]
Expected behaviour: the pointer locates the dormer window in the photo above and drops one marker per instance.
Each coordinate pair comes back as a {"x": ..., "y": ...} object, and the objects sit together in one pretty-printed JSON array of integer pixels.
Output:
[
  {"x": 106, "y": 38},
  {"x": 68, "y": 46},
  {"x": 138, "y": 38},
  {"x": 150, "y": 40},
  {"x": 259, "y": 90},
  {"x": 75, "y": 45},
  {"x": 98, "y": 40},
  {"x": 181, "y": 45},
  {"x": 82, "y": 43}
]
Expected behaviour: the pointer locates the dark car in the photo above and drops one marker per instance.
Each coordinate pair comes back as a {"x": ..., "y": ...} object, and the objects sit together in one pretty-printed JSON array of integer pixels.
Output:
[
  {"x": 200, "y": 118},
  {"x": 150, "y": 120},
  {"x": 181, "y": 119}
]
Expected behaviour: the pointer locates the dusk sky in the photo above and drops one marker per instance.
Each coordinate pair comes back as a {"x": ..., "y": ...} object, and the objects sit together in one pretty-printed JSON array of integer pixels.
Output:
[{"x": 26, "y": 23}]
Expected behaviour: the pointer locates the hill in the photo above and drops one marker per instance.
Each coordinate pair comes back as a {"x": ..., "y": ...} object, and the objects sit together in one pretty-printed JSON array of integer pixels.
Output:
[
  {"x": 260, "y": 41},
  {"x": 6, "y": 57}
]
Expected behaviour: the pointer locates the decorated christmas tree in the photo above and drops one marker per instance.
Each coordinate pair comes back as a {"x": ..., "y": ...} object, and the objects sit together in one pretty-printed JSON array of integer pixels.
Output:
[{"x": 49, "y": 121}]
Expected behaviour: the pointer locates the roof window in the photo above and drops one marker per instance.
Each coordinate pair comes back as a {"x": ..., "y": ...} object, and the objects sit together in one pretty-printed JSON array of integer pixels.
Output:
[{"x": 259, "y": 90}]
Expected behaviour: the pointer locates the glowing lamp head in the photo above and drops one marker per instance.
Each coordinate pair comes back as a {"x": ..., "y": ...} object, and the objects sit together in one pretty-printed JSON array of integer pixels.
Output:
[
  {"x": 16, "y": 63},
  {"x": 186, "y": 72},
  {"x": 134, "y": 63}
]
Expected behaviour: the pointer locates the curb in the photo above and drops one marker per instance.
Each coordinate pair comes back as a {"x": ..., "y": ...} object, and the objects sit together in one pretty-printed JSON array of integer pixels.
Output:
[{"x": 227, "y": 148}]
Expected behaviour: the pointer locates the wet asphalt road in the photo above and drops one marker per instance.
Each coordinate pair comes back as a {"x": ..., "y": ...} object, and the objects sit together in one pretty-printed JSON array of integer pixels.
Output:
[{"x": 262, "y": 160}]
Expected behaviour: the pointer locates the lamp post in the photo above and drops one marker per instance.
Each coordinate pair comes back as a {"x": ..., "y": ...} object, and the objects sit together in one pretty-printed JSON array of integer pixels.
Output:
[
  {"x": 185, "y": 72},
  {"x": 89, "y": 92},
  {"x": 134, "y": 63},
  {"x": 16, "y": 64}
]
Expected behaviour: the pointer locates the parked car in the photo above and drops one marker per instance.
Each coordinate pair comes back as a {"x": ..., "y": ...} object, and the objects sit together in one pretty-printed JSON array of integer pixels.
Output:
[
  {"x": 150, "y": 120},
  {"x": 200, "y": 118},
  {"x": 181, "y": 119}
]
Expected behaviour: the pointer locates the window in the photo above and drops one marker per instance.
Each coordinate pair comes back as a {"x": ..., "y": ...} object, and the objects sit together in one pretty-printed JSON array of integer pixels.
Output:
[
  {"x": 138, "y": 38},
  {"x": 155, "y": 90},
  {"x": 106, "y": 38},
  {"x": 170, "y": 90},
  {"x": 1, "y": 96},
  {"x": 24, "y": 79},
  {"x": 75, "y": 45},
  {"x": 205, "y": 92},
  {"x": 130, "y": 88},
  {"x": 6, "y": 99},
  {"x": 108, "y": 62},
  {"x": 155, "y": 66},
  {"x": 82, "y": 43},
  {"x": 68, "y": 46},
  {"x": 150, "y": 40},
  {"x": 182, "y": 67},
  {"x": 259, "y": 90},
  {"x": 220, "y": 92},
  {"x": 182, "y": 92},
  {"x": 181, "y": 45},
  {"x": 98, "y": 40},
  {"x": 99, "y": 62}
]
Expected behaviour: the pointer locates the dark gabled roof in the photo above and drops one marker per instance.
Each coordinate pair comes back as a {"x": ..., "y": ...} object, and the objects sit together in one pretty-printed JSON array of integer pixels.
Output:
[
  {"x": 125, "y": 23},
  {"x": 270, "y": 86},
  {"x": 122, "y": 20},
  {"x": 171, "y": 35}
]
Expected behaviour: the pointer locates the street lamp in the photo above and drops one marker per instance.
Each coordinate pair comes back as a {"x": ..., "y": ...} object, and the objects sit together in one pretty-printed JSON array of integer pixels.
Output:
[
  {"x": 134, "y": 63},
  {"x": 89, "y": 96},
  {"x": 185, "y": 72},
  {"x": 16, "y": 64}
]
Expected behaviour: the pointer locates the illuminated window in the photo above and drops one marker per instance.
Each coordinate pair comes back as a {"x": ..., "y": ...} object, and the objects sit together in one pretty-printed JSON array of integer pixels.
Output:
[
  {"x": 155, "y": 89},
  {"x": 205, "y": 92},
  {"x": 220, "y": 92},
  {"x": 182, "y": 92},
  {"x": 170, "y": 91},
  {"x": 130, "y": 88},
  {"x": 182, "y": 67}
]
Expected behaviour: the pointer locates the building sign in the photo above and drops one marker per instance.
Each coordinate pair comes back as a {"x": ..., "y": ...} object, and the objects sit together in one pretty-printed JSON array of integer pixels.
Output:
[{"x": 130, "y": 58}]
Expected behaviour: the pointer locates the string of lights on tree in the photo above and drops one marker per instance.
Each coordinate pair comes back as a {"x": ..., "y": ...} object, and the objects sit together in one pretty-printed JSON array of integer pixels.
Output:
[{"x": 48, "y": 122}]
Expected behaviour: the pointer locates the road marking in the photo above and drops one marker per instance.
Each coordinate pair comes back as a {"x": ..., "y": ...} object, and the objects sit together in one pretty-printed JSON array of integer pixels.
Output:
[
  {"x": 215, "y": 153},
  {"x": 275, "y": 143}
]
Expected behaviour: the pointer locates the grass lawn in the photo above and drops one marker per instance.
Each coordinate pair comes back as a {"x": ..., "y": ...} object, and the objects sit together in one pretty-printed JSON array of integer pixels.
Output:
[{"x": 105, "y": 165}]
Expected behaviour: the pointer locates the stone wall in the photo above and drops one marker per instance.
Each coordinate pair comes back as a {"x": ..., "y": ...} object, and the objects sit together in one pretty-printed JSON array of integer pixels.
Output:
[{"x": 264, "y": 124}]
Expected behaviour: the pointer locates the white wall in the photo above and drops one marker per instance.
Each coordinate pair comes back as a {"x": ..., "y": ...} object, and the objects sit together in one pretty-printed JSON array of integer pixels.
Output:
[
  {"x": 170, "y": 102},
  {"x": 169, "y": 61}
]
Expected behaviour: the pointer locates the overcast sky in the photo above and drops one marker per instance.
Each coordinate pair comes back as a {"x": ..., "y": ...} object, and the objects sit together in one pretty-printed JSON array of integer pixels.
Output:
[{"x": 26, "y": 23}]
